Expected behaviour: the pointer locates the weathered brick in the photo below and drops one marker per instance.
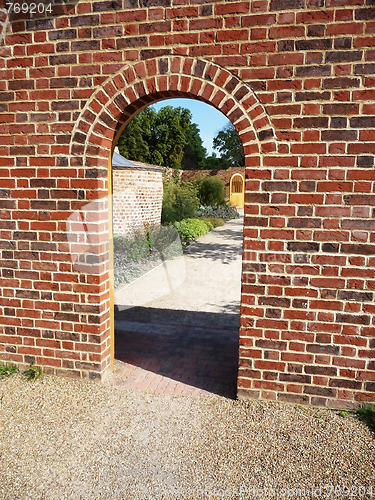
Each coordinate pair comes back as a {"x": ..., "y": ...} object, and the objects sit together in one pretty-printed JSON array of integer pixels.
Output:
[
  {"x": 303, "y": 246},
  {"x": 279, "y": 186},
  {"x": 314, "y": 44},
  {"x": 275, "y": 301},
  {"x": 67, "y": 34},
  {"x": 287, "y": 4},
  {"x": 320, "y": 391},
  {"x": 365, "y": 14},
  {"x": 84, "y": 45},
  {"x": 351, "y": 318},
  {"x": 310, "y": 71},
  {"x": 348, "y": 384},
  {"x": 89, "y": 20},
  {"x": 363, "y": 122},
  {"x": 343, "y": 56}
]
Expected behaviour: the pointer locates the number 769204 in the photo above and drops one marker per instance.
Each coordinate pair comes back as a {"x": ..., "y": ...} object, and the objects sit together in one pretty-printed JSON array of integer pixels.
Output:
[{"x": 29, "y": 8}]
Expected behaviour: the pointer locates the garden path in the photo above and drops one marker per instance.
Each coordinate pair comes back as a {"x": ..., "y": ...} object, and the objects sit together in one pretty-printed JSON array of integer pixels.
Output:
[{"x": 177, "y": 326}]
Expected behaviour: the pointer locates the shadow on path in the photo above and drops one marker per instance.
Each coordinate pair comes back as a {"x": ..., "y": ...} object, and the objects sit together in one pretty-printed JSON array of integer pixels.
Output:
[
  {"x": 214, "y": 251},
  {"x": 199, "y": 349},
  {"x": 184, "y": 341}
]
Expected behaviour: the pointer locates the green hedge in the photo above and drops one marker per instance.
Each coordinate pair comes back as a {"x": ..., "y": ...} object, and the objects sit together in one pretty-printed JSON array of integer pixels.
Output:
[{"x": 191, "y": 229}]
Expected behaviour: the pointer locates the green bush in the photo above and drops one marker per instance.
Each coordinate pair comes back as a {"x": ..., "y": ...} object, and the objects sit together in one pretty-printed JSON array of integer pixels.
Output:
[
  {"x": 180, "y": 201},
  {"x": 215, "y": 221},
  {"x": 190, "y": 229},
  {"x": 211, "y": 191},
  {"x": 165, "y": 241},
  {"x": 141, "y": 251}
]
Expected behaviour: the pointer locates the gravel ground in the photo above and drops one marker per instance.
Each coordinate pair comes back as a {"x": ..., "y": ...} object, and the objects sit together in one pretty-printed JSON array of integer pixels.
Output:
[{"x": 67, "y": 439}]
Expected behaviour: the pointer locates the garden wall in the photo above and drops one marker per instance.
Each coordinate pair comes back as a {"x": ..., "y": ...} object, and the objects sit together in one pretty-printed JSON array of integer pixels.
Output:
[
  {"x": 297, "y": 80},
  {"x": 224, "y": 175},
  {"x": 137, "y": 197}
]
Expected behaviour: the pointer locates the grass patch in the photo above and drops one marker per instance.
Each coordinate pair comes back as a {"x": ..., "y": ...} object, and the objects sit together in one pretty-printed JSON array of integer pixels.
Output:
[
  {"x": 8, "y": 370},
  {"x": 33, "y": 373},
  {"x": 367, "y": 415}
]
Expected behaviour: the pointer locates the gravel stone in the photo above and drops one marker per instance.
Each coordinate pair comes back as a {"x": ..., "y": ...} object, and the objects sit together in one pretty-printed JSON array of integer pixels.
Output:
[{"x": 69, "y": 439}]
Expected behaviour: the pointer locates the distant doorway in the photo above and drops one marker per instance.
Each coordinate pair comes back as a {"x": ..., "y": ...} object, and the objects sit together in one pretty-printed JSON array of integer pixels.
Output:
[{"x": 237, "y": 190}]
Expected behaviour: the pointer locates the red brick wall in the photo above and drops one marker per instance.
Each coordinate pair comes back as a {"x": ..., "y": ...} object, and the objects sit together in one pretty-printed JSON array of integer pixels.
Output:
[
  {"x": 296, "y": 78},
  {"x": 137, "y": 198}
]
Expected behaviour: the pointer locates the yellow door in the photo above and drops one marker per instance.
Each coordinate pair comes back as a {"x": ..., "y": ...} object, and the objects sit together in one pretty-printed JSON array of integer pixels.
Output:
[{"x": 237, "y": 190}]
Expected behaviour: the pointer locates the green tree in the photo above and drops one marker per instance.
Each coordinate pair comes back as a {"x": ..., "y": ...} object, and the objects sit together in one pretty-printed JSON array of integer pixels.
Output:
[
  {"x": 134, "y": 142},
  {"x": 169, "y": 135},
  {"x": 159, "y": 138},
  {"x": 194, "y": 153},
  {"x": 229, "y": 144},
  {"x": 213, "y": 162}
]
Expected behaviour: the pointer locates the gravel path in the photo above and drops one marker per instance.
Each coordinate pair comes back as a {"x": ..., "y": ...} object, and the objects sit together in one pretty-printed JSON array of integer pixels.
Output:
[{"x": 67, "y": 439}]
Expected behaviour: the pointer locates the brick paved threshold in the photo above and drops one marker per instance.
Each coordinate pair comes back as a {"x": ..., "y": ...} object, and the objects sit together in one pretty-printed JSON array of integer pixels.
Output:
[{"x": 184, "y": 353}]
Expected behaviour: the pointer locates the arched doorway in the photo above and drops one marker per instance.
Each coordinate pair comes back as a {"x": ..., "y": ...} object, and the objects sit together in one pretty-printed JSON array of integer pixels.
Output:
[
  {"x": 177, "y": 307},
  {"x": 237, "y": 190},
  {"x": 110, "y": 109}
]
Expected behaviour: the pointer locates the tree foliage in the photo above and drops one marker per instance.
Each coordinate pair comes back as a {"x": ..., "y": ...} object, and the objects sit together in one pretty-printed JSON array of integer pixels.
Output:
[
  {"x": 229, "y": 144},
  {"x": 169, "y": 138},
  {"x": 213, "y": 162},
  {"x": 135, "y": 141},
  {"x": 194, "y": 153},
  {"x": 158, "y": 138}
]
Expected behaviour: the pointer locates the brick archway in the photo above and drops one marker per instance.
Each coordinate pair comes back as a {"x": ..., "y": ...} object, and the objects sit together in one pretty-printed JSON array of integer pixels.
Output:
[
  {"x": 115, "y": 102},
  {"x": 120, "y": 97},
  {"x": 71, "y": 80}
]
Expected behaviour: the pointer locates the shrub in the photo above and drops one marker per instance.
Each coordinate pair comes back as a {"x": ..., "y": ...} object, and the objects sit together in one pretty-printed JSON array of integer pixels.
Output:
[
  {"x": 130, "y": 252},
  {"x": 215, "y": 221},
  {"x": 165, "y": 241},
  {"x": 134, "y": 247},
  {"x": 190, "y": 229},
  {"x": 211, "y": 191},
  {"x": 180, "y": 201},
  {"x": 223, "y": 211},
  {"x": 138, "y": 253}
]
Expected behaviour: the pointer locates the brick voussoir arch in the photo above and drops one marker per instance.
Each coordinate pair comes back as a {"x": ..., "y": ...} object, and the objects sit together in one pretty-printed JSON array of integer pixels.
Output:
[
  {"x": 113, "y": 105},
  {"x": 135, "y": 86}
]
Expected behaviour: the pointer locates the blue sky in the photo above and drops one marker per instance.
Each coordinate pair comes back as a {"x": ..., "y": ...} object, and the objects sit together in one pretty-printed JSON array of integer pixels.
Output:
[{"x": 209, "y": 120}]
